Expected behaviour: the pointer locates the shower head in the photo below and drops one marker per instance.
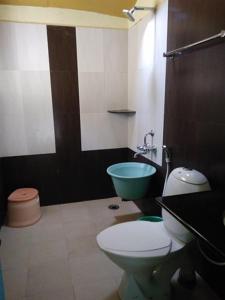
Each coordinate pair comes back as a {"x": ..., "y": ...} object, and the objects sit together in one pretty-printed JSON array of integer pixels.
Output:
[{"x": 129, "y": 13}]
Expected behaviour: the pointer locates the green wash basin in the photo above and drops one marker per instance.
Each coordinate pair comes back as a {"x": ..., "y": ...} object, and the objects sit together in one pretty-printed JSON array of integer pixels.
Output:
[{"x": 131, "y": 179}]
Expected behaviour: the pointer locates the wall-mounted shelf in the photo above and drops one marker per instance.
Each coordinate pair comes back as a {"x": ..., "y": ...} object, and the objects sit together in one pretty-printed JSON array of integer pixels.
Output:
[
  {"x": 121, "y": 111},
  {"x": 179, "y": 51}
]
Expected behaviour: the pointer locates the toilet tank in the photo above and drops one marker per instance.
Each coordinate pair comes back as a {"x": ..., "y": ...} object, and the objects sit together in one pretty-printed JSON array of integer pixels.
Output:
[{"x": 182, "y": 181}]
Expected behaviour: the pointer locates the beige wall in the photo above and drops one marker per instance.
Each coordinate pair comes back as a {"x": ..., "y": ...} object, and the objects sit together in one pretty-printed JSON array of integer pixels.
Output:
[
  {"x": 53, "y": 15},
  {"x": 59, "y": 16}
]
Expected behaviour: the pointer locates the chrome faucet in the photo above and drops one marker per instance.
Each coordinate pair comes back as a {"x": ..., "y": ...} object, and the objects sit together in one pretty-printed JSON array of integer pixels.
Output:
[{"x": 146, "y": 147}]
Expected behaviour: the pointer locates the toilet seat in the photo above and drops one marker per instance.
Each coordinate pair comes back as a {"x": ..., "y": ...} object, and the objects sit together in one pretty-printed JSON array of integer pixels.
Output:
[{"x": 136, "y": 239}]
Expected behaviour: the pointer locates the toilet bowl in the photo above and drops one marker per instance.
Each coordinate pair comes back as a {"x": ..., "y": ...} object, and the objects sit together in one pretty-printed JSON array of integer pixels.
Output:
[
  {"x": 151, "y": 252},
  {"x": 141, "y": 248}
]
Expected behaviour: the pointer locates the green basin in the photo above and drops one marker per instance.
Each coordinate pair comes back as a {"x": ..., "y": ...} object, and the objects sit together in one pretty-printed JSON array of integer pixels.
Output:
[{"x": 131, "y": 180}]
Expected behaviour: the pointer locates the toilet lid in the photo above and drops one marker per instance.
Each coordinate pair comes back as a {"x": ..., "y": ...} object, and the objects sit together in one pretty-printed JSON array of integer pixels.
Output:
[{"x": 135, "y": 236}]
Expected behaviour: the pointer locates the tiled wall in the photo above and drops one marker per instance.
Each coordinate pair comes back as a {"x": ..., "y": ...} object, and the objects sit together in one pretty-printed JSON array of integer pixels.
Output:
[
  {"x": 26, "y": 119},
  {"x": 102, "y": 59},
  {"x": 26, "y": 114},
  {"x": 69, "y": 175},
  {"x": 146, "y": 79},
  {"x": 102, "y": 73},
  {"x": 195, "y": 94},
  {"x": 195, "y": 101}
]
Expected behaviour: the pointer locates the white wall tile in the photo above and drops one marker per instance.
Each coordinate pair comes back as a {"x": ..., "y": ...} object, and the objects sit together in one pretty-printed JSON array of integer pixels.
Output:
[
  {"x": 32, "y": 47},
  {"x": 36, "y": 93},
  {"x": 10, "y": 93},
  {"x": 102, "y": 86},
  {"x": 116, "y": 90},
  {"x": 92, "y": 92},
  {"x": 133, "y": 48},
  {"x": 23, "y": 47},
  {"x": 12, "y": 132},
  {"x": 38, "y": 112},
  {"x": 160, "y": 74},
  {"x": 146, "y": 42},
  {"x": 39, "y": 134},
  {"x": 103, "y": 131},
  {"x": 115, "y": 50},
  {"x": 146, "y": 79},
  {"x": 26, "y": 115},
  {"x": 141, "y": 90},
  {"x": 90, "y": 49},
  {"x": 141, "y": 44},
  {"x": 12, "y": 135},
  {"x": 8, "y": 48}
]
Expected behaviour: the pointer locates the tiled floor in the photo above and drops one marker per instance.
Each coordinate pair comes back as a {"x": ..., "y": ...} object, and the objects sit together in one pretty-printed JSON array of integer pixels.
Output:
[{"x": 58, "y": 258}]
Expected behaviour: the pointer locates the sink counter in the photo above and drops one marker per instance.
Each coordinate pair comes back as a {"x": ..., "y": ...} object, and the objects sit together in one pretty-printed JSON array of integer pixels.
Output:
[{"x": 202, "y": 213}]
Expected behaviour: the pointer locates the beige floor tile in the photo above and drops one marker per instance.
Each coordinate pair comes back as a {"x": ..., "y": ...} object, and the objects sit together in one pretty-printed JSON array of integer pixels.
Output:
[
  {"x": 49, "y": 277},
  {"x": 79, "y": 228},
  {"x": 41, "y": 253},
  {"x": 104, "y": 222},
  {"x": 98, "y": 202},
  {"x": 100, "y": 208},
  {"x": 128, "y": 217},
  {"x": 75, "y": 212},
  {"x": 14, "y": 256},
  {"x": 97, "y": 290},
  {"x": 80, "y": 247},
  {"x": 13, "y": 236},
  {"x": 51, "y": 215},
  {"x": 45, "y": 233},
  {"x": 93, "y": 268},
  {"x": 64, "y": 231},
  {"x": 126, "y": 207},
  {"x": 57, "y": 294},
  {"x": 15, "y": 284},
  {"x": 58, "y": 257}
]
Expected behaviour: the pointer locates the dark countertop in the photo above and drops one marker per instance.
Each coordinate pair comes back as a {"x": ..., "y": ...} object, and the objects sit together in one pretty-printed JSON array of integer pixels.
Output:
[{"x": 202, "y": 213}]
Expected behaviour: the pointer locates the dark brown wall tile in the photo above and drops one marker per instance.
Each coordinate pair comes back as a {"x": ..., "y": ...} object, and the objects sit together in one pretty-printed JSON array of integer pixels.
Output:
[
  {"x": 62, "y": 48},
  {"x": 67, "y": 134},
  {"x": 65, "y": 91},
  {"x": 195, "y": 94},
  {"x": 39, "y": 171}
]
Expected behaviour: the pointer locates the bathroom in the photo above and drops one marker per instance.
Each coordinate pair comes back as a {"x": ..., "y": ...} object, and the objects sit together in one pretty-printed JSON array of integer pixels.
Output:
[{"x": 66, "y": 72}]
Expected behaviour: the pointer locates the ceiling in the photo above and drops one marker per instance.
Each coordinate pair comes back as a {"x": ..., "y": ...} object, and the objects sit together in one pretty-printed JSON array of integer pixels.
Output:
[{"x": 109, "y": 7}]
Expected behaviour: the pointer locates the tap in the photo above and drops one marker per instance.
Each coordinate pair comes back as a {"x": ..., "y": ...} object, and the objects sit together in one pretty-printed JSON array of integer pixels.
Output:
[
  {"x": 151, "y": 133},
  {"x": 146, "y": 148},
  {"x": 141, "y": 151}
]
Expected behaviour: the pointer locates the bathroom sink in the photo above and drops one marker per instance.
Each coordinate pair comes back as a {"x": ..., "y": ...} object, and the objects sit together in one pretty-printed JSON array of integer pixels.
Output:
[{"x": 131, "y": 179}]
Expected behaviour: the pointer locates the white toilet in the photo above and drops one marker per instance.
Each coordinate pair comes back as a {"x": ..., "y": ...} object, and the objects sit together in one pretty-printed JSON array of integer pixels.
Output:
[{"x": 151, "y": 252}]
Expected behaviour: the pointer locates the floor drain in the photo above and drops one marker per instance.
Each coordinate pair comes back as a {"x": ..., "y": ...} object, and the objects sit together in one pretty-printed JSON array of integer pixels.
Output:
[{"x": 113, "y": 206}]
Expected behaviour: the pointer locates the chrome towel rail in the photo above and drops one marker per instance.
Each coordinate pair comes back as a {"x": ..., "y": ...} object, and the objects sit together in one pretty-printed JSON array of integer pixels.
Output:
[{"x": 179, "y": 51}]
